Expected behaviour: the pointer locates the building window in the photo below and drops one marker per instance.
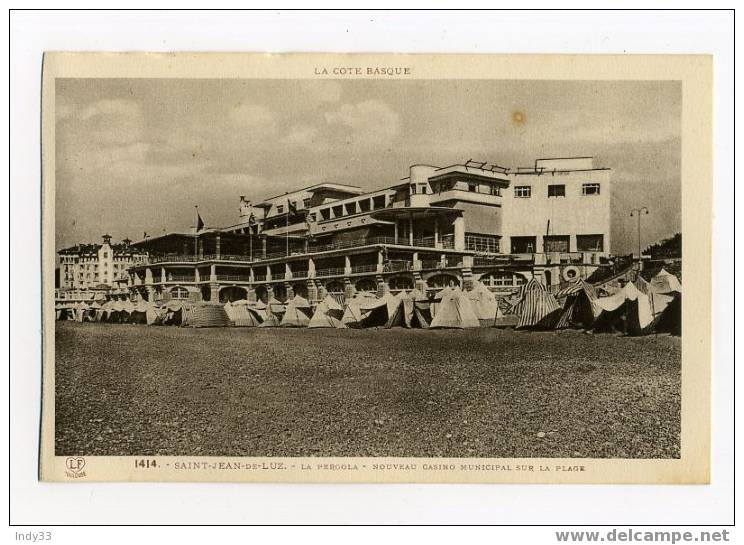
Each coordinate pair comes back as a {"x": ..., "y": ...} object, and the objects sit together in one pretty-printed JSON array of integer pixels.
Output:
[
  {"x": 105, "y": 254},
  {"x": 413, "y": 189},
  {"x": 504, "y": 279},
  {"x": 306, "y": 203},
  {"x": 523, "y": 245},
  {"x": 495, "y": 190},
  {"x": 522, "y": 191},
  {"x": 556, "y": 191},
  {"x": 280, "y": 209},
  {"x": 589, "y": 243},
  {"x": 556, "y": 243},
  {"x": 325, "y": 213},
  {"x": 179, "y": 293},
  {"x": 473, "y": 188},
  {"x": 423, "y": 189},
  {"x": 590, "y": 189}
]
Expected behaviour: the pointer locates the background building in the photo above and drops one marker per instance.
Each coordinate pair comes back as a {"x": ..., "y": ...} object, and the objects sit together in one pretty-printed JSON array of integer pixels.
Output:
[
  {"x": 96, "y": 269},
  {"x": 438, "y": 226}
]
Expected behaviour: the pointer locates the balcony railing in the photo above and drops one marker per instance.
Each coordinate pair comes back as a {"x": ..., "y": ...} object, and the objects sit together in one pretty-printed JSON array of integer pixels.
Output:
[
  {"x": 180, "y": 278},
  {"x": 397, "y": 266},
  {"x": 336, "y": 271},
  {"x": 355, "y": 269},
  {"x": 234, "y": 277},
  {"x": 300, "y": 274}
]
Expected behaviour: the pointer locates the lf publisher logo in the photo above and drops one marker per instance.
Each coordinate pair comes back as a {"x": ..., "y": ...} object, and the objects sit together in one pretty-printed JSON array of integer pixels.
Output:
[{"x": 75, "y": 465}]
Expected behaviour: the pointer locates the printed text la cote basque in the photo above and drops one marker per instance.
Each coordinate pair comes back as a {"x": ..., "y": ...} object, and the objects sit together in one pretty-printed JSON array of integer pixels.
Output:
[{"x": 362, "y": 70}]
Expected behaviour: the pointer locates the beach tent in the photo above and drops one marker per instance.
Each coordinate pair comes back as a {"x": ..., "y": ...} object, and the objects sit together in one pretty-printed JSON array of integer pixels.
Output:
[
  {"x": 578, "y": 308},
  {"x": 400, "y": 310},
  {"x": 669, "y": 320},
  {"x": 454, "y": 311},
  {"x": 665, "y": 282},
  {"x": 421, "y": 309},
  {"x": 353, "y": 311},
  {"x": 484, "y": 303},
  {"x": 274, "y": 311},
  {"x": 639, "y": 316},
  {"x": 378, "y": 311},
  {"x": 297, "y": 313},
  {"x": 138, "y": 315},
  {"x": 536, "y": 307},
  {"x": 205, "y": 315},
  {"x": 154, "y": 314},
  {"x": 241, "y": 315},
  {"x": 642, "y": 285},
  {"x": 629, "y": 311},
  {"x": 173, "y": 312},
  {"x": 402, "y": 315},
  {"x": 328, "y": 313},
  {"x": 609, "y": 313}
]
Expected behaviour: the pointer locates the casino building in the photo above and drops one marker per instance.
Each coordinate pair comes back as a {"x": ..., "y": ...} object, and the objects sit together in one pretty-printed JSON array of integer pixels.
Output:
[{"x": 439, "y": 226}]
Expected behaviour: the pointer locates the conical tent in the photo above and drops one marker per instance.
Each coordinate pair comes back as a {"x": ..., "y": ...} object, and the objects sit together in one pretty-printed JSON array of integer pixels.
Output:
[
  {"x": 353, "y": 312},
  {"x": 455, "y": 311},
  {"x": 484, "y": 303},
  {"x": 297, "y": 313},
  {"x": 578, "y": 309},
  {"x": 665, "y": 282},
  {"x": 536, "y": 307},
  {"x": 241, "y": 315},
  {"x": 421, "y": 316},
  {"x": 378, "y": 311},
  {"x": 328, "y": 314},
  {"x": 396, "y": 309}
]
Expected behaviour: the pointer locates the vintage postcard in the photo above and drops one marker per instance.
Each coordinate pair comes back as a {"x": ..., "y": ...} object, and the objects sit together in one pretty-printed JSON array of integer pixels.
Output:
[{"x": 376, "y": 268}]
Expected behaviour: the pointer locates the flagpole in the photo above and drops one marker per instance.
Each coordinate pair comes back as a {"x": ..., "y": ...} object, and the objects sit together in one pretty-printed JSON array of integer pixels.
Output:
[
  {"x": 196, "y": 230},
  {"x": 286, "y": 234}
]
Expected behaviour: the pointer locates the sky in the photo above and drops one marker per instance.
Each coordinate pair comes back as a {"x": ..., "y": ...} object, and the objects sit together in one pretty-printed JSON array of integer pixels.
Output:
[{"x": 136, "y": 155}]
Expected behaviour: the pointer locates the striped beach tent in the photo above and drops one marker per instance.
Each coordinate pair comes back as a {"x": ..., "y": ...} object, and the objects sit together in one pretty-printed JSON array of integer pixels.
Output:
[
  {"x": 536, "y": 307},
  {"x": 578, "y": 308}
]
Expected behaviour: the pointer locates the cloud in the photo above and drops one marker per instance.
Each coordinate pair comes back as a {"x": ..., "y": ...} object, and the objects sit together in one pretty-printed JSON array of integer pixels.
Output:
[
  {"x": 370, "y": 120},
  {"x": 321, "y": 91},
  {"x": 301, "y": 135},
  {"x": 253, "y": 116},
  {"x": 111, "y": 107}
]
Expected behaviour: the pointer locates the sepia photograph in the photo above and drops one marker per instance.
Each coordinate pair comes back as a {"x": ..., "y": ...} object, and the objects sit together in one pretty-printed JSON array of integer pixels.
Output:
[{"x": 364, "y": 266}]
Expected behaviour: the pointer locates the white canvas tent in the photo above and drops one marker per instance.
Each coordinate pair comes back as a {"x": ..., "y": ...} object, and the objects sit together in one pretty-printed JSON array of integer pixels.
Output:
[
  {"x": 297, "y": 313},
  {"x": 484, "y": 303},
  {"x": 454, "y": 311},
  {"x": 353, "y": 312},
  {"x": 328, "y": 313},
  {"x": 665, "y": 282}
]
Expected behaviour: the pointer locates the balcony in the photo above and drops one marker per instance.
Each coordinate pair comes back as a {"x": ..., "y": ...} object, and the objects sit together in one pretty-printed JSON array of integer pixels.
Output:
[
  {"x": 397, "y": 265},
  {"x": 180, "y": 278},
  {"x": 359, "y": 269},
  {"x": 336, "y": 271},
  {"x": 234, "y": 277}
]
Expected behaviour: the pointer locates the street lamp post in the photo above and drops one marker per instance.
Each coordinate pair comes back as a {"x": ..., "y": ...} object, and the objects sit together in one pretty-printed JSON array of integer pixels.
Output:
[{"x": 638, "y": 212}]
